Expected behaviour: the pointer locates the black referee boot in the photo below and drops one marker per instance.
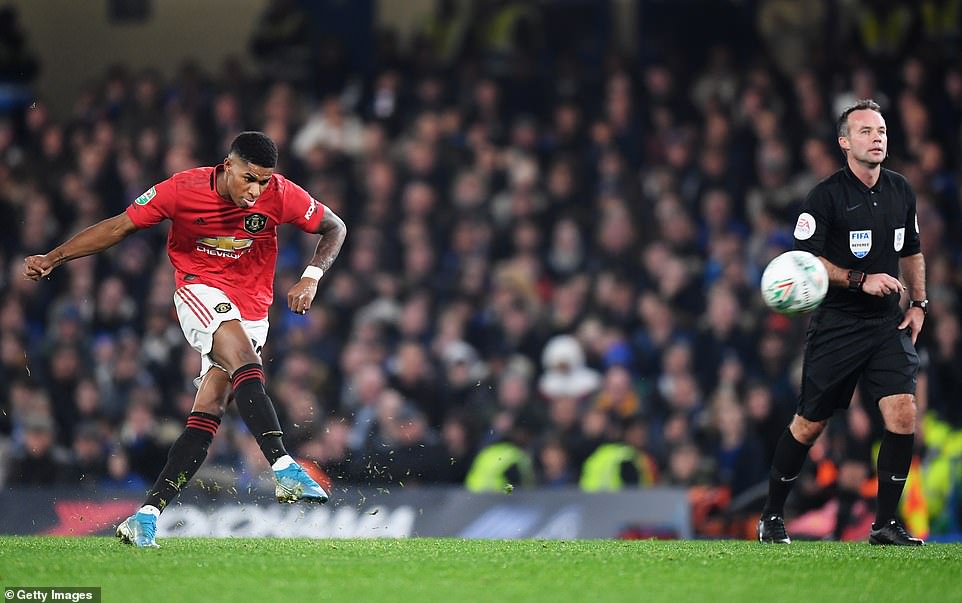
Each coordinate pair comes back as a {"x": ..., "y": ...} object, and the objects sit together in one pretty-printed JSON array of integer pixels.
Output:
[
  {"x": 893, "y": 533},
  {"x": 771, "y": 530}
]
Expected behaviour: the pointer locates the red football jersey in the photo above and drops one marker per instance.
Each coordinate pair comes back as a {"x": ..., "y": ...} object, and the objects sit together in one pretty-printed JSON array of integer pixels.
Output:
[{"x": 216, "y": 243}]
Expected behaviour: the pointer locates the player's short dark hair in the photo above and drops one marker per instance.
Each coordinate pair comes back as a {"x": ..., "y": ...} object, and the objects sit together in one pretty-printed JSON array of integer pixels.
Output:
[
  {"x": 865, "y": 103},
  {"x": 256, "y": 148}
]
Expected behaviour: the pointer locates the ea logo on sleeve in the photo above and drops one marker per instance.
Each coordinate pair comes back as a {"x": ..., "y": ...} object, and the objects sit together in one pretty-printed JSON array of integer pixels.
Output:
[{"x": 805, "y": 226}]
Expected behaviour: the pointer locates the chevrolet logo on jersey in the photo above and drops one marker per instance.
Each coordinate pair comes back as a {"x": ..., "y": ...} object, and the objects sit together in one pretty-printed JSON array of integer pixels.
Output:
[{"x": 225, "y": 243}]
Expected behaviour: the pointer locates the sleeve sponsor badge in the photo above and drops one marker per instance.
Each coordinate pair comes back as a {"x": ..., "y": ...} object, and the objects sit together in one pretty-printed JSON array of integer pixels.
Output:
[
  {"x": 805, "y": 226},
  {"x": 147, "y": 196},
  {"x": 899, "y": 239},
  {"x": 310, "y": 210}
]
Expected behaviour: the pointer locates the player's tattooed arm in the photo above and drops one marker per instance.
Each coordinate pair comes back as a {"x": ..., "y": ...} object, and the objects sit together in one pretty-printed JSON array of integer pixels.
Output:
[
  {"x": 333, "y": 231},
  {"x": 93, "y": 239}
]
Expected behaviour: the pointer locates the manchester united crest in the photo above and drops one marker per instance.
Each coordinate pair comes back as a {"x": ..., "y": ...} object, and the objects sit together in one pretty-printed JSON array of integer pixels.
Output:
[
  {"x": 255, "y": 223},
  {"x": 222, "y": 308}
]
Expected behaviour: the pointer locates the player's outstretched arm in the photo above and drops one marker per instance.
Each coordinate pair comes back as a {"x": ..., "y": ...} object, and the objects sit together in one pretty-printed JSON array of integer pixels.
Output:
[
  {"x": 93, "y": 239},
  {"x": 333, "y": 232}
]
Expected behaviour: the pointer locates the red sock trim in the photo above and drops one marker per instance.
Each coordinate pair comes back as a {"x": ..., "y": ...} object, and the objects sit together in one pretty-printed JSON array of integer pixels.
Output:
[
  {"x": 203, "y": 423},
  {"x": 246, "y": 374},
  {"x": 208, "y": 426}
]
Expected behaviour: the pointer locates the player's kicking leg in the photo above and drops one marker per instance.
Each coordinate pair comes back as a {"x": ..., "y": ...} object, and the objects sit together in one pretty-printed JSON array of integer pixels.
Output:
[
  {"x": 216, "y": 329},
  {"x": 186, "y": 456},
  {"x": 232, "y": 349}
]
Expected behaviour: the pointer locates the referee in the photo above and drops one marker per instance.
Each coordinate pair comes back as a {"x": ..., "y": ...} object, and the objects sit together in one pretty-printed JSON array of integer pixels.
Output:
[{"x": 861, "y": 223}]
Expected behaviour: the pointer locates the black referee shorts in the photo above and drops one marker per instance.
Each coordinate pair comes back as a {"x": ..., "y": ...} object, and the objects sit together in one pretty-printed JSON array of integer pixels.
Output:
[{"x": 841, "y": 349}]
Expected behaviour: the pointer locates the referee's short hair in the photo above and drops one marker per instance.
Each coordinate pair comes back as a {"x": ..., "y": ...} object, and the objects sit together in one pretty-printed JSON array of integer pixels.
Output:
[
  {"x": 256, "y": 148},
  {"x": 865, "y": 103}
]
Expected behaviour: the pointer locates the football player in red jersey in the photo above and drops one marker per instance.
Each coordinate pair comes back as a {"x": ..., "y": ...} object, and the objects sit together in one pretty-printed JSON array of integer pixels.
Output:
[{"x": 223, "y": 246}]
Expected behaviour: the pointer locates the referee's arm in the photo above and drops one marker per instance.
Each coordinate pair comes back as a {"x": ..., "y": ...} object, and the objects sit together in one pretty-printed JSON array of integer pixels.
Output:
[
  {"x": 912, "y": 268},
  {"x": 878, "y": 284},
  {"x": 913, "y": 272}
]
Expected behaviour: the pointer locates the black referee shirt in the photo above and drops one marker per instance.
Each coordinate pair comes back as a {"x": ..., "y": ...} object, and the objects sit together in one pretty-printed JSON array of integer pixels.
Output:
[{"x": 860, "y": 228}]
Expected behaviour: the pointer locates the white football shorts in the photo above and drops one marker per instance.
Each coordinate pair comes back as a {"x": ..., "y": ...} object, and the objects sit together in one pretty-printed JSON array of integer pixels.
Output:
[{"x": 200, "y": 310}]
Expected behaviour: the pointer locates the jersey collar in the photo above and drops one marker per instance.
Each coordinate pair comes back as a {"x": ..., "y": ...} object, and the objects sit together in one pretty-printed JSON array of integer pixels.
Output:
[
  {"x": 861, "y": 185},
  {"x": 213, "y": 176}
]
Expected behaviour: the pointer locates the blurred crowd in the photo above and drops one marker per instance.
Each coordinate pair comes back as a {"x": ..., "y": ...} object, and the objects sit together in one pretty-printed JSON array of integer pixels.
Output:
[{"x": 551, "y": 243}]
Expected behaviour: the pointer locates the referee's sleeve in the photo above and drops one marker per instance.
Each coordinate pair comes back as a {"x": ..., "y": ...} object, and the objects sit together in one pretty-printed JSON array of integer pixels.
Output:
[
  {"x": 813, "y": 223},
  {"x": 913, "y": 241}
]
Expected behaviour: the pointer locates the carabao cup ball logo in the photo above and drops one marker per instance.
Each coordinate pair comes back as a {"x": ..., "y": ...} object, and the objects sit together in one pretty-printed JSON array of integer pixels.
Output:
[
  {"x": 794, "y": 282},
  {"x": 780, "y": 294}
]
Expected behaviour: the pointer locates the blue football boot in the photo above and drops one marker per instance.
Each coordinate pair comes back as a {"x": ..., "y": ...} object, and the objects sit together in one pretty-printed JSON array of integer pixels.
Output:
[
  {"x": 139, "y": 529},
  {"x": 293, "y": 484}
]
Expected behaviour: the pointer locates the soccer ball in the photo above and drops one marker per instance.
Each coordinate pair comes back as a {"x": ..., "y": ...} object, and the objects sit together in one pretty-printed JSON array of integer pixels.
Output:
[{"x": 794, "y": 282}]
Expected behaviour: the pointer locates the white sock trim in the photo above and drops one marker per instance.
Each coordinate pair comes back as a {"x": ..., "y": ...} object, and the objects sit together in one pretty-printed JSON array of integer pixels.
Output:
[
  {"x": 282, "y": 463},
  {"x": 150, "y": 509}
]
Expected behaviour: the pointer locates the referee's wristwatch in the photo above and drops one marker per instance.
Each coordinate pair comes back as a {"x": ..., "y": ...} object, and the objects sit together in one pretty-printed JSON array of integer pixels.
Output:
[
  {"x": 856, "y": 278},
  {"x": 920, "y": 303}
]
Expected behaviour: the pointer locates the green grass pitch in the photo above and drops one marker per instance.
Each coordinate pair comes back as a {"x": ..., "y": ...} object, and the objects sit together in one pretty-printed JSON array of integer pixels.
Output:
[{"x": 421, "y": 570}]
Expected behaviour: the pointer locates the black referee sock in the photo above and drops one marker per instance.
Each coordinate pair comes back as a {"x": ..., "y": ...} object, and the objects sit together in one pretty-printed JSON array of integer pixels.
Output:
[
  {"x": 787, "y": 463},
  {"x": 894, "y": 461},
  {"x": 257, "y": 410},
  {"x": 186, "y": 456}
]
